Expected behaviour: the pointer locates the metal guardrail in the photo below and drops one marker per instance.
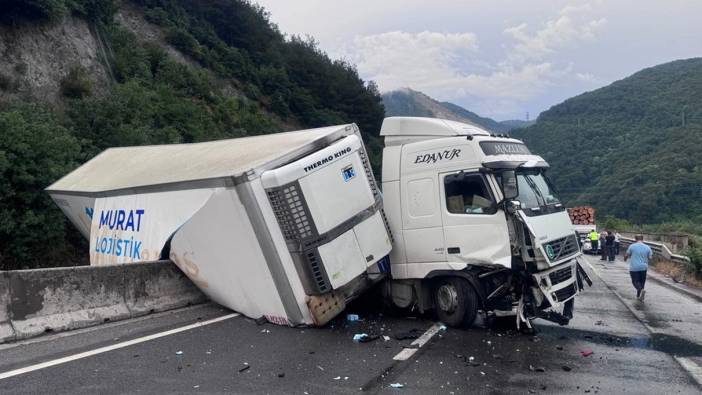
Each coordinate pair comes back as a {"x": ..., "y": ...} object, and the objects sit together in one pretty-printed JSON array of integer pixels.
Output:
[{"x": 660, "y": 250}]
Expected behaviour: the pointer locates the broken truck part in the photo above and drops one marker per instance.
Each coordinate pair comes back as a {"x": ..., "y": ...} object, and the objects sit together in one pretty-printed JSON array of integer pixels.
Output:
[
  {"x": 286, "y": 226},
  {"x": 292, "y": 226}
]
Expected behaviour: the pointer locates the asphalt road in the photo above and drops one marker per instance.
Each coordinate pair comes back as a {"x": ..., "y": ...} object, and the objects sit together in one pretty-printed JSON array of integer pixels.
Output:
[{"x": 636, "y": 348}]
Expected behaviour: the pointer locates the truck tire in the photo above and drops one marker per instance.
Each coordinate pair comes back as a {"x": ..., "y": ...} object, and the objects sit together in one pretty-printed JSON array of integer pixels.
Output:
[{"x": 455, "y": 301}]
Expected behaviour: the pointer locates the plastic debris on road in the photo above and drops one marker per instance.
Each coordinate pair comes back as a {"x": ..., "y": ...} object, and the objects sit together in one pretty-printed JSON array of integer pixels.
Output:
[
  {"x": 352, "y": 317},
  {"x": 386, "y": 338},
  {"x": 359, "y": 336},
  {"x": 364, "y": 338},
  {"x": 586, "y": 352},
  {"x": 397, "y": 385},
  {"x": 179, "y": 353}
]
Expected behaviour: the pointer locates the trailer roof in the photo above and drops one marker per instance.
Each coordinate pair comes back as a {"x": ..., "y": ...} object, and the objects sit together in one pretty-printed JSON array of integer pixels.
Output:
[
  {"x": 142, "y": 166},
  {"x": 421, "y": 126}
]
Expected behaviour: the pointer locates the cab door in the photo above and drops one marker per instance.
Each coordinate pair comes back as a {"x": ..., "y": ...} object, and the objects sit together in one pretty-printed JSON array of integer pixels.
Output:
[
  {"x": 421, "y": 219},
  {"x": 475, "y": 230}
]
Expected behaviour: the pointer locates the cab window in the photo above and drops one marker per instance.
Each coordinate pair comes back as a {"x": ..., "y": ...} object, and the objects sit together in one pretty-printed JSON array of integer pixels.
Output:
[{"x": 468, "y": 194}]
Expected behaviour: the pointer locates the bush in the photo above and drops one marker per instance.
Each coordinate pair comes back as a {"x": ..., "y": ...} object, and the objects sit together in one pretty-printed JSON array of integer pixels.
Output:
[
  {"x": 76, "y": 85},
  {"x": 34, "y": 152}
]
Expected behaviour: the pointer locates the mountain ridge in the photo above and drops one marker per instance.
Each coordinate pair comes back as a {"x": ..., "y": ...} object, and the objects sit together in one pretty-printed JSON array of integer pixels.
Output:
[
  {"x": 409, "y": 102},
  {"x": 631, "y": 148}
]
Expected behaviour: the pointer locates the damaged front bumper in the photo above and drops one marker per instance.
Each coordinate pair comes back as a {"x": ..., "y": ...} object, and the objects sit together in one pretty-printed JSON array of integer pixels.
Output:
[
  {"x": 551, "y": 289},
  {"x": 558, "y": 284}
]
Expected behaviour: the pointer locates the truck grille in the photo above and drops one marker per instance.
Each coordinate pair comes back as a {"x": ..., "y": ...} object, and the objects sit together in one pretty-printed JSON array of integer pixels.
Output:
[
  {"x": 562, "y": 248},
  {"x": 565, "y": 293},
  {"x": 291, "y": 212},
  {"x": 320, "y": 284},
  {"x": 561, "y": 275}
]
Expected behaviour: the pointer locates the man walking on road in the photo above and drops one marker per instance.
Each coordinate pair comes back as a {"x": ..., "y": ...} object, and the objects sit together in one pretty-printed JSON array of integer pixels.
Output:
[{"x": 640, "y": 254}]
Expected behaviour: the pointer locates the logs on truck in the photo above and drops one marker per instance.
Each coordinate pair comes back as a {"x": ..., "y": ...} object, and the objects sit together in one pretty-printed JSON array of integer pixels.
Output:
[{"x": 583, "y": 215}]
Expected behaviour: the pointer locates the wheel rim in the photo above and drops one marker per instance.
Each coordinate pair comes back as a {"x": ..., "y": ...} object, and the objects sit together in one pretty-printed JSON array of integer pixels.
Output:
[{"x": 447, "y": 298}]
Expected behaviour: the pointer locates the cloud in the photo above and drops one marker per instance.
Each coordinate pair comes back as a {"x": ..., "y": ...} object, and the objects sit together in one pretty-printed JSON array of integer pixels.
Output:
[
  {"x": 569, "y": 28},
  {"x": 451, "y": 66}
]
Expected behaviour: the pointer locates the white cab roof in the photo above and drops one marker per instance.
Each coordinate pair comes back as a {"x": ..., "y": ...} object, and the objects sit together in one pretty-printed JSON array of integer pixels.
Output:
[
  {"x": 418, "y": 126},
  {"x": 134, "y": 167}
]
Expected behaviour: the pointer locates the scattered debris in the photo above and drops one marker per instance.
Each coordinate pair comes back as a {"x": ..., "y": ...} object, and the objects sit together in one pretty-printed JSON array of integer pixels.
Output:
[
  {"x": 357, "y": 337},
  {"x": 586, "y": 352},
  {"x": 386, "y": 338},
  {"x": 245, "y": 368},
  {"x": 265, "y": 331},
  {"x": 365, "y": 338},
  {"x": 397, "y": 385},
  {"x": 559, "y": 348},
  {"x": 352, "y": 317},
  {"x": 540, "y": 369},
  {"x": 196, "y": 386},
  {"x": 599, "y": 323},
  {"x": 566, "y": 368},
  {"x": 281, "y": 375},
  {"x": 482, "y": 373},
  {"x": 320, "y": 368},
  {"x": 337, "y": 378},
  {"x": 442, "y": 327},
  {"x": 179, "y": 352},
  {"x": 411, "y": 334}
]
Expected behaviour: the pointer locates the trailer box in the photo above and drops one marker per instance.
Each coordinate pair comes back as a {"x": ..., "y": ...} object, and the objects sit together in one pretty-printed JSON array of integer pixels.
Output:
[{"x": 288, "y": 226}]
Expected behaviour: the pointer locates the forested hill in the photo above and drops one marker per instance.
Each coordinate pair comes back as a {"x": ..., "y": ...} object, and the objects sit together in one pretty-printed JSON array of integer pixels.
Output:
[
  {"x": 411, "y": 103},
  {"x": 78, "y": 76},
  {"x": 633, "y": 149}
]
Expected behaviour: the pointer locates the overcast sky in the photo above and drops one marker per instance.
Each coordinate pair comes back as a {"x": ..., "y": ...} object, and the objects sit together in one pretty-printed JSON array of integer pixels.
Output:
[{"x": 499, "y": 58}]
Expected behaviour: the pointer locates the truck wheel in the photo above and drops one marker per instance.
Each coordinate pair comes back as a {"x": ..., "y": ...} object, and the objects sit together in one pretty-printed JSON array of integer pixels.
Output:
[{"x": 456, "y": 302}]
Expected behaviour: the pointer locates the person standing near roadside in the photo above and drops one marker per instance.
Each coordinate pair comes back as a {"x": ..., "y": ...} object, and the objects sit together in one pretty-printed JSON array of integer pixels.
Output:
[
  {"x": 640, "y": 255},
  {"x": 594, "y": 237},
  {"x": 603, "y": 245},
  {"x": 617, "y": 236},
  {"x": 609, "y": 245}
]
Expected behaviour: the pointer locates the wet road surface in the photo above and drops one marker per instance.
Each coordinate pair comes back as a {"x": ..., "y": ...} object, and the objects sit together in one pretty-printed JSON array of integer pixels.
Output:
[{"x": 636, "y": 348}]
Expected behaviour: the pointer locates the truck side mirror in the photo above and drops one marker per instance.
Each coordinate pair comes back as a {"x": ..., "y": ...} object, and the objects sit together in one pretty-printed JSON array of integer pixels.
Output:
[{"x": 510, "y": 190}]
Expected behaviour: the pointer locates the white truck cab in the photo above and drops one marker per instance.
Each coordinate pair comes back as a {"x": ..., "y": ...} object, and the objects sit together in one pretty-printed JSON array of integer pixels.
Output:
[{"x": 476, "y": 224}]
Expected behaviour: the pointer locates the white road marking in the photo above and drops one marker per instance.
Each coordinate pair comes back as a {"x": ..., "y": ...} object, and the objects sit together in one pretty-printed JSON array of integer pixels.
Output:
[
  {"x": 105, "y": 349},
  {"x": 406, "y": 353},
  {"x": 694, "y": 369}
]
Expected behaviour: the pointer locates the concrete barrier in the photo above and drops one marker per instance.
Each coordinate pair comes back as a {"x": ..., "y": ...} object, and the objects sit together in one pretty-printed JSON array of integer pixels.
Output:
[
  {"x": 153, "y": 287},
  {"x": 7, "y": 333},
  {"x": 33, "y": 302},
  {"x": 62, "y": 299}
]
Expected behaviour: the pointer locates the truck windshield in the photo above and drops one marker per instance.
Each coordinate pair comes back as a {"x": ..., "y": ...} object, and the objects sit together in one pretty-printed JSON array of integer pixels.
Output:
[{"x": 536, "y": 193}]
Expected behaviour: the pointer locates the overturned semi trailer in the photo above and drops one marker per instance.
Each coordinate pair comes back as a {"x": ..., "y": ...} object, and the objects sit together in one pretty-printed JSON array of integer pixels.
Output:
[{"x": 288, "y": 226}]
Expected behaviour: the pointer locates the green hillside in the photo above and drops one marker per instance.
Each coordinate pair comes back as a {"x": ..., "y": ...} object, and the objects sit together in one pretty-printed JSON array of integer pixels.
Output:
[
  {"x": 632, "y": 149},
  {"x": 234, "y": 74},
  {"x": 410, "y": 103}
]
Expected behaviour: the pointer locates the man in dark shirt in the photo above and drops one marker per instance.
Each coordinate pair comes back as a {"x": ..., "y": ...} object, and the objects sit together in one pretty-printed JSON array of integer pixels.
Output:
[{"x": 609, "y": 245}]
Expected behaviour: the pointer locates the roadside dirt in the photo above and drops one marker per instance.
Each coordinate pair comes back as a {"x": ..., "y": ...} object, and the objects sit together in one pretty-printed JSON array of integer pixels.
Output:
[{"x": 677, "y": 273}]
